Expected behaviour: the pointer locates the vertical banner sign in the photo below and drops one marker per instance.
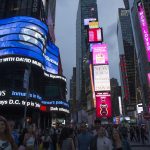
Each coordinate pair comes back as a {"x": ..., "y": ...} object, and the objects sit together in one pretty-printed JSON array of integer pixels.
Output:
[
  {"x": 144, "y": 27},
  {"x": 103, "y": 105},
  {"x": 101, "y": 78},
  {"x": 100, "y": 55}
]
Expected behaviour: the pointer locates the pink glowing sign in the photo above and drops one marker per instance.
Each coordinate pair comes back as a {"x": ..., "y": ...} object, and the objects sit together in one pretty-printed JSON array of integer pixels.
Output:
[
  {"x": 103, "y": 105},
  {"x": 148, "y": 78},
  {"x": 144, "y": 27},
  {"x": 95, "y": 35},
  {"x": 100, "y": 55}
]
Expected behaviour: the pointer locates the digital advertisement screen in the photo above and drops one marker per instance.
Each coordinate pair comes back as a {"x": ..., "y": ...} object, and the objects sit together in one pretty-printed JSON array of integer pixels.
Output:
[
  {"x": 27, "y": 36},
  {"x": 95, "y": 35},
  {"x": 144, "y": 28},
  {"x": 101, "y": 78},
  {"x": 52, "y": 48},
  {"x": 100, "y": 54},
  {"x": 86, "y": 21},
  {"x": 93, "y": 24},
  {"x": 148, "y": 78},
  {"x": 103, "y": 105},
  {"x": 18, "y": 97}
]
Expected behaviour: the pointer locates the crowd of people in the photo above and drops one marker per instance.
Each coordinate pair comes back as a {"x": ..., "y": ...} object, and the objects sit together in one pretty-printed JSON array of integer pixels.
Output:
[{"x": 99, "y": 137}]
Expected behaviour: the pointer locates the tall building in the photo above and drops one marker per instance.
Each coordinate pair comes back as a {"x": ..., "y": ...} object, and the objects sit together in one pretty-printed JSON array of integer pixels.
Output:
[
  {"x": 141, "y": 24},
  {"x": 86, "y": 10},
  {"x": 30, "y": 65},
  {"x": 73, "y": 96},
  {"x": 115, "y": 93},
  {"x": 50, "y": 8},
  {"x": 126, "y": 3},
  {"x": 127, "y": 48}
]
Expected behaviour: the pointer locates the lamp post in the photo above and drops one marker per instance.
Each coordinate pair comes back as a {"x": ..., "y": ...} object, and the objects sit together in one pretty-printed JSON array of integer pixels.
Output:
[{"x": 26, "y": 86}]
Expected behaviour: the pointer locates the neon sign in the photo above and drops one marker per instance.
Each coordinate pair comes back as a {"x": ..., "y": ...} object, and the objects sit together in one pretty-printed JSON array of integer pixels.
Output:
[{"x": 144, "y": 27}]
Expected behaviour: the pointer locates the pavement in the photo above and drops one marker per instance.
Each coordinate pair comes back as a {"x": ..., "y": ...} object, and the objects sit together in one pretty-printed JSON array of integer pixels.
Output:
[{"x": 140, "y": 146}]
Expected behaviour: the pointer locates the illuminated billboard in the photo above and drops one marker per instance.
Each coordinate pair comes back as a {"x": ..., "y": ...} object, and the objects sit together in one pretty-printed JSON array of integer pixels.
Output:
[
  {"x": 148, "y": 78},
  {"x": 144, "y": 28},
  {"x": 100, "y": 54},
  {"x": 28, "y": 37},
  {"x": 101, "y": 78},
  {"x": 93, "y": 24},
  {"x": 103, "y": 105},
  {"x": 86, "y": 21},
  {"x": 95, "y": 35}
]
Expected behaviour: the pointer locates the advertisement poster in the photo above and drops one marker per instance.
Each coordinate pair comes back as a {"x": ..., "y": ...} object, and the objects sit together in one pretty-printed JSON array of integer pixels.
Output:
[
  {"x": 95, "y": 35},
  {"x": 103, "y": 105},
  {"x": 101, "y": 78},
  {"x": 100, "y": 54}
]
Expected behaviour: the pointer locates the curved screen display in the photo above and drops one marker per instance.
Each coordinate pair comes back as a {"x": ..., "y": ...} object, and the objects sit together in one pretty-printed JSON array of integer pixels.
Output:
[{"x": 27, "y": 36}]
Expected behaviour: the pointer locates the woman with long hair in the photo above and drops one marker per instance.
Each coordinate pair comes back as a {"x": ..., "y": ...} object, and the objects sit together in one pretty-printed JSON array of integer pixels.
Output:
[
  {"x": 117, "y": 143},
  {"x": 29, "y": 139},
  {"x": 6, "y": 140},
  {"x": 120, "y": 142}
]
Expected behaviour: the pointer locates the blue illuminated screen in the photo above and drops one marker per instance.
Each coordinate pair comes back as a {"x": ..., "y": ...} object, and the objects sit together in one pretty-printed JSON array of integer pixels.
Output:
[{"x": 27, "y": 36}]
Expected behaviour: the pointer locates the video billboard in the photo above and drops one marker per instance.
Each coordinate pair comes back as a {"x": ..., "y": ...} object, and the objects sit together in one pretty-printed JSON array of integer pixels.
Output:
[
  {"x": 86, "y": 21},
  {"x": 103, "y": 105},
  {"x": 100, "y": 54},
  {"x": 101, "y": 78},
  {"x": 93, "y": 24},
  {"x": 95, "y": 35},
  {"x": 144, "y": 28},
  {"x": 28, "y": 37}
]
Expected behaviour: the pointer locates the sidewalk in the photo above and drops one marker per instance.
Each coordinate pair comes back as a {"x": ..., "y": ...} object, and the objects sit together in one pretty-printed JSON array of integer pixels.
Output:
[{"x": 139, "y": 144}]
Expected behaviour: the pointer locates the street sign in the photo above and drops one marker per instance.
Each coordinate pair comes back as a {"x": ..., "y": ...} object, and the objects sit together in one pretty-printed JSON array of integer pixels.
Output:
[{"x": 130, "y": 108}]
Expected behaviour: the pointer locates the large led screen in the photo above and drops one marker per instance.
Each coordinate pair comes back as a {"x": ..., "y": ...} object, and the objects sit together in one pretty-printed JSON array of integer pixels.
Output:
[
  {"x": 101, "y": 78},
  {"x": 148, "y": 78},
  {"x": 86, "y": 21},
  {"x": 93, "y": 24},
  {"x": 26, "y": 36},
  {"x": 95, "y": 35},
  {"x": 100, "y": 55},
  {"x": 144, "y": 28},
  {"x": 103, "y": 105}
]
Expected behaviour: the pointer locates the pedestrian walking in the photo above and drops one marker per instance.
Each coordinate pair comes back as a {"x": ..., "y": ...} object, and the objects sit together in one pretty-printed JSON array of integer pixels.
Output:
[
  {"x": 100, "y": 141},
  {"x": 29, "y": 139},
  {"x": 67, "y": 139},
  {"x": 46, "y": 140},
  {"x": 117, "y": 143},
  {"x": 84, "y": 138},
  {"x": 6, "y": 140}
]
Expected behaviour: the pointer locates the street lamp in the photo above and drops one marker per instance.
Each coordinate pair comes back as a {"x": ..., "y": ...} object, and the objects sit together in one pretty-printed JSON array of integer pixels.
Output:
[{"x": 26, "y": 86}]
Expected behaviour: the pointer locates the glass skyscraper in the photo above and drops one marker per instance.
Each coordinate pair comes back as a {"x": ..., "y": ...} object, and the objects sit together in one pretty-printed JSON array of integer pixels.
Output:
[
  {"x": 86, "y": 9},
  {"x": 127, "y": 48}
]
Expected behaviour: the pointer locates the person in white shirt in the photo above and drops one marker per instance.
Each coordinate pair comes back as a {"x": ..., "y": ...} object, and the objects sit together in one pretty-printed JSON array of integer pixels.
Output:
[{"x": 100, "y": 141}]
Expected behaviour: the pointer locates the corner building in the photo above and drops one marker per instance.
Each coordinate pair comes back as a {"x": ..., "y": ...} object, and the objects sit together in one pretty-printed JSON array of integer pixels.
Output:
[{"x": 30, "y": 65}]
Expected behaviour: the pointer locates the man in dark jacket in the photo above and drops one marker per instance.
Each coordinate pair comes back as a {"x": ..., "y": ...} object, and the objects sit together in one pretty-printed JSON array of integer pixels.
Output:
[{"x": 100, "y": 141}]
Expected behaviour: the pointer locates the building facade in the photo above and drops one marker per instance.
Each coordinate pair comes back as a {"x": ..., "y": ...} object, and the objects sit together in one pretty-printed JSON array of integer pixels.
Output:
[
  {"x": 86, "y": 10},
  {"x": 127, "y": 48},
  {"x": 140, "y": 13},
  {"x": 31, "y": 77}
]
